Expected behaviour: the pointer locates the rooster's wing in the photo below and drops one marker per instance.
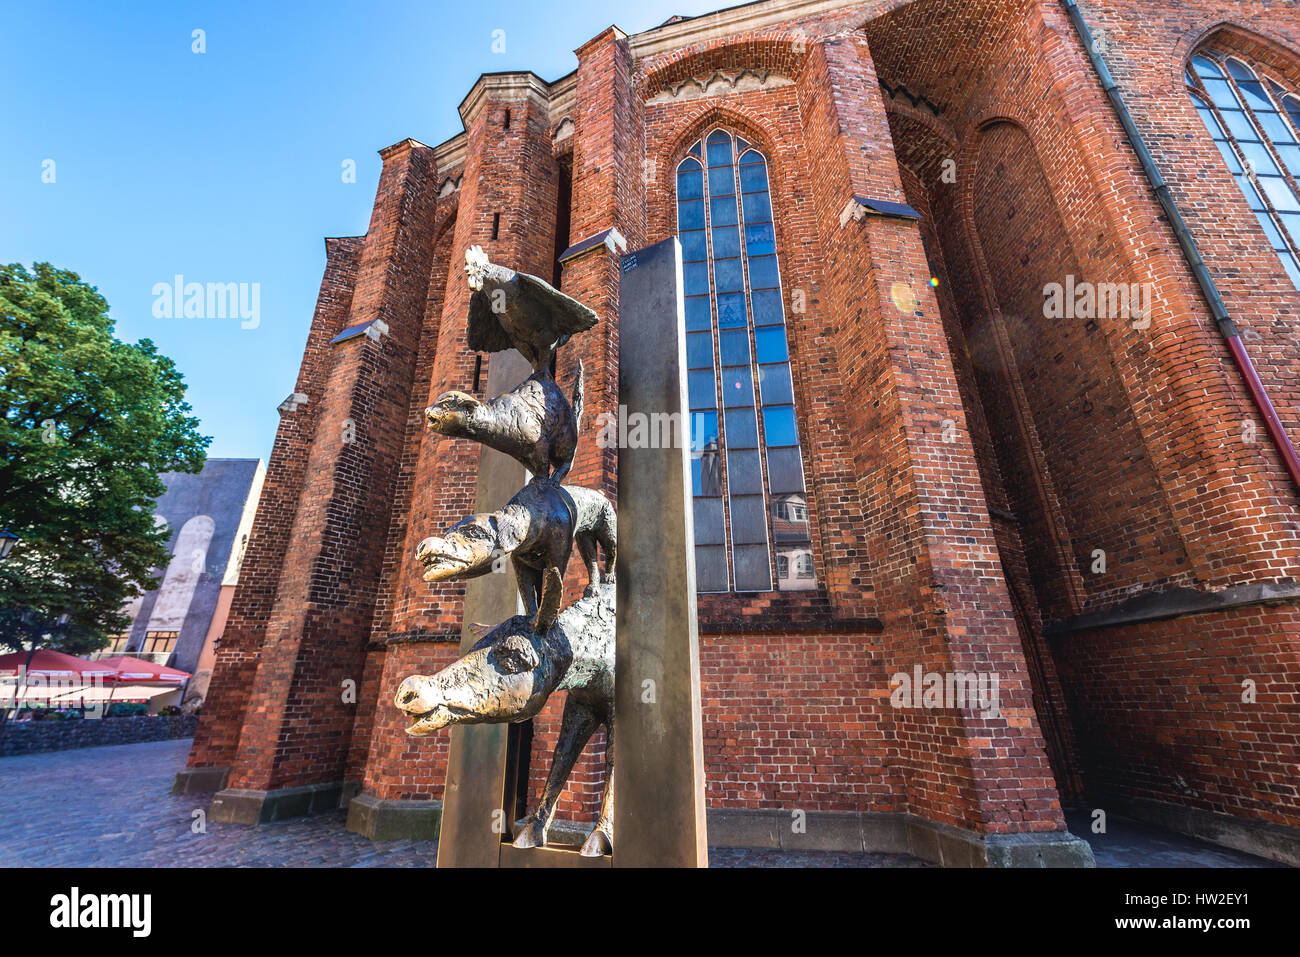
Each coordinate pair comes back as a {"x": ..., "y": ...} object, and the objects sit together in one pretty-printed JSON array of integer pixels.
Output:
[{"x": 485, "y": 333}]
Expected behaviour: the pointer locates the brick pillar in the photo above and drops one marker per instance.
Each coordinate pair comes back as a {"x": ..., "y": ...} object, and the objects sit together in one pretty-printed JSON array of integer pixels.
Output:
[
  {"x": 293, "y": 747},
  {"x": 508, "y": 184},
  {"x": 935, "y": 565},
  {"x": 608, "y": 194},
  {"x": 607, "y": 219},
  {"x": 405, "y": 488},
  {"x": 241, "y": 641}
]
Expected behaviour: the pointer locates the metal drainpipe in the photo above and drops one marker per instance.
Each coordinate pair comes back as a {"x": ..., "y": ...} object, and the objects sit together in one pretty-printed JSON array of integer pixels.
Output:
[{"x": 1190, "y": 252}]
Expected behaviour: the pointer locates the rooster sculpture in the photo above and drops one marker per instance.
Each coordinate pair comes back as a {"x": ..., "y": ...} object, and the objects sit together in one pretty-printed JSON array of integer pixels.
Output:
[{"x": 513, "y": 310}]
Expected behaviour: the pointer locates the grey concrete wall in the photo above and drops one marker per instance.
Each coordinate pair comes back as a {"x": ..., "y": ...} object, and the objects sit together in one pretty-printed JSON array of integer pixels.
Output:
[{"x": 219, "y": 493}]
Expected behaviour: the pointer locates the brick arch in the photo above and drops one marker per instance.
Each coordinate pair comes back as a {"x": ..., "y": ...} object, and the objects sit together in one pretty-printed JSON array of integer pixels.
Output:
[
  {"x": 967, "y": 161},
  {"x": 1056, "y": 547},
  {"x": 694, "y": 125},
  {"x": 701, "y": 121},
  {"x": 933, "y": 124},
  {"x": 778, "y": 52},
  {"x": 1234, "y": 37},
  {"x": 884, "y": 8},
  {"x": 1072, "y": 384},
  {"x": 450, "y": 207}
]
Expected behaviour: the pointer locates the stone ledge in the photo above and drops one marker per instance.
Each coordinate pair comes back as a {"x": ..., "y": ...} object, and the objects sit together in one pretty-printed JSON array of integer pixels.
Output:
[
  {"x": 845, "y": 831},
  {"x": 1174, "y": 603},
  {"x": 610, "y": 238},
  {"x": 414, "y": 638},
  {"x": 394, "y": 820},
  {"x": 1274, "y": 842},
  {"x": 200, "y": 780},
  {"x": 860, "y": 207},
  {"x": 890, "y": 833},
  {"x": 248, "y": 807}
]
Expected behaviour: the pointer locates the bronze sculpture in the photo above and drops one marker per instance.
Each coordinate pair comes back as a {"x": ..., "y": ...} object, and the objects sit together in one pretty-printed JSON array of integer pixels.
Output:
[
  {"x": 537, "y": 529},
  {"x": 532, "y": 423},
  {"x": 511, "y": 309},
  {"x": 508, "y": 675}
]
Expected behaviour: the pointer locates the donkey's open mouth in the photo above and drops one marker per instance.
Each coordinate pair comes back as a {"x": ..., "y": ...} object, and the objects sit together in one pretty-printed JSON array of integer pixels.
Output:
[{"x": 428, "y": 722}]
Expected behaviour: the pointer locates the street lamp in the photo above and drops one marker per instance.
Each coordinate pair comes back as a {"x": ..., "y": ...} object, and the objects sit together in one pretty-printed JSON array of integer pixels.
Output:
[{"x": 7, "y": 540}]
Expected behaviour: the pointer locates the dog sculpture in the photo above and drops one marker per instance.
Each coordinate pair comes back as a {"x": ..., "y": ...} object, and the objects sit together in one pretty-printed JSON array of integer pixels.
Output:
[
  {"x": 508, "y": 676},
  {"x": 537, "y": 529},
  {"x": 532, "y": 423}
]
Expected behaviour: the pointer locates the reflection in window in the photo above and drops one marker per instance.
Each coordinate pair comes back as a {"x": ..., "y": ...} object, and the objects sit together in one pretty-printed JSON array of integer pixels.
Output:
[
  {"x": 749, "y": 499},
  {"x": 1255, "y": 131}
]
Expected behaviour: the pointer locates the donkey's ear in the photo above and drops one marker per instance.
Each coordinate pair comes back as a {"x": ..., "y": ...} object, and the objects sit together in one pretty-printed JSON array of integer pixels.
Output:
[{"x": 549, "y": 606}]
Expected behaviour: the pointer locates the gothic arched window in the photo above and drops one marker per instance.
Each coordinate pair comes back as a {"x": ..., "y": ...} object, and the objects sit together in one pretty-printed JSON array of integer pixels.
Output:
[
  {"x": 1256, "y": 132},
  {"x": 747, "y": 470}
]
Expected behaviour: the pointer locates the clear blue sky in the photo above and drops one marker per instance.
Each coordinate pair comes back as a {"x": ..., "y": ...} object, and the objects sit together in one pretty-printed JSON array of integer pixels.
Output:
[{"x": 226, "y": 166}]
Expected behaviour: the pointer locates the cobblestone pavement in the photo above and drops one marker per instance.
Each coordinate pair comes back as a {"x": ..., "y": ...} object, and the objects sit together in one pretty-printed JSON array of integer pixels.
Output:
[
  {"x": 1130, "y": 843},
  {"x": 112, "y": 807}
]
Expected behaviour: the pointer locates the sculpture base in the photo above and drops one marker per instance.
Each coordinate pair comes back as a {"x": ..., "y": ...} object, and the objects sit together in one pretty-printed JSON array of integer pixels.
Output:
[
  {"x": 896, "y": 834},
  {"x": 512, "y": 856}
]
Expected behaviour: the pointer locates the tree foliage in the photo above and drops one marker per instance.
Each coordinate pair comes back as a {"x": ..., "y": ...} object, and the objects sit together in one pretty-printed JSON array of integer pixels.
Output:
[{"x": 87, "y": 424}]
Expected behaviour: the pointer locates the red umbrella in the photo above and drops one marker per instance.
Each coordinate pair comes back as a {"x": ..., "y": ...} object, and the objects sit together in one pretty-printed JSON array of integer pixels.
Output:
[
  {"x": 46, "y": 663},
  {"x": 137, "y": 671}
]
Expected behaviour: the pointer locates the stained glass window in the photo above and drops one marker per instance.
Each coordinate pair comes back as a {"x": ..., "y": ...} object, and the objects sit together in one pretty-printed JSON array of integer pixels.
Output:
[
  {"x": 1255, "y": 131},
  {"x": 751, "y": 507}
]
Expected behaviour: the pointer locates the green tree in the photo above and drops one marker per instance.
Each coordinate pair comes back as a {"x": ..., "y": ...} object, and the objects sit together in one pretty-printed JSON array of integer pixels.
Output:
[{"x": 87, "y": 423}]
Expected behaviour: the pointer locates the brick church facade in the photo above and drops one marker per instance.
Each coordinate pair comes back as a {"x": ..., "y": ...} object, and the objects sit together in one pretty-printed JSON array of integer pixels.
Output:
[{"x": 910, "y": 462}]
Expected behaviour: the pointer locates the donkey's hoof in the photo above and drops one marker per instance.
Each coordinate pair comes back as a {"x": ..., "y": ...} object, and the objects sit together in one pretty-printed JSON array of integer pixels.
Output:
[
  {"x": 597, "y": 844},
  {"x": 532, "y": 835}
]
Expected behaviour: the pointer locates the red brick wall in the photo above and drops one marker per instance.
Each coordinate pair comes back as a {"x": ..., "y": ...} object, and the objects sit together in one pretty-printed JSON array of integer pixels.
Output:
[
  {"x": 298, "y": 719},
  {"x": 955, "y": 556},
  {"x": 405, "y": 488},
  {"x": 798, "y": 722},
  {"x": 1155, "y": 466},
  {"x": 1159, "y": 714},
  {"x": 510, "y": 172},
  {"x": 922, "y": 148}
]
